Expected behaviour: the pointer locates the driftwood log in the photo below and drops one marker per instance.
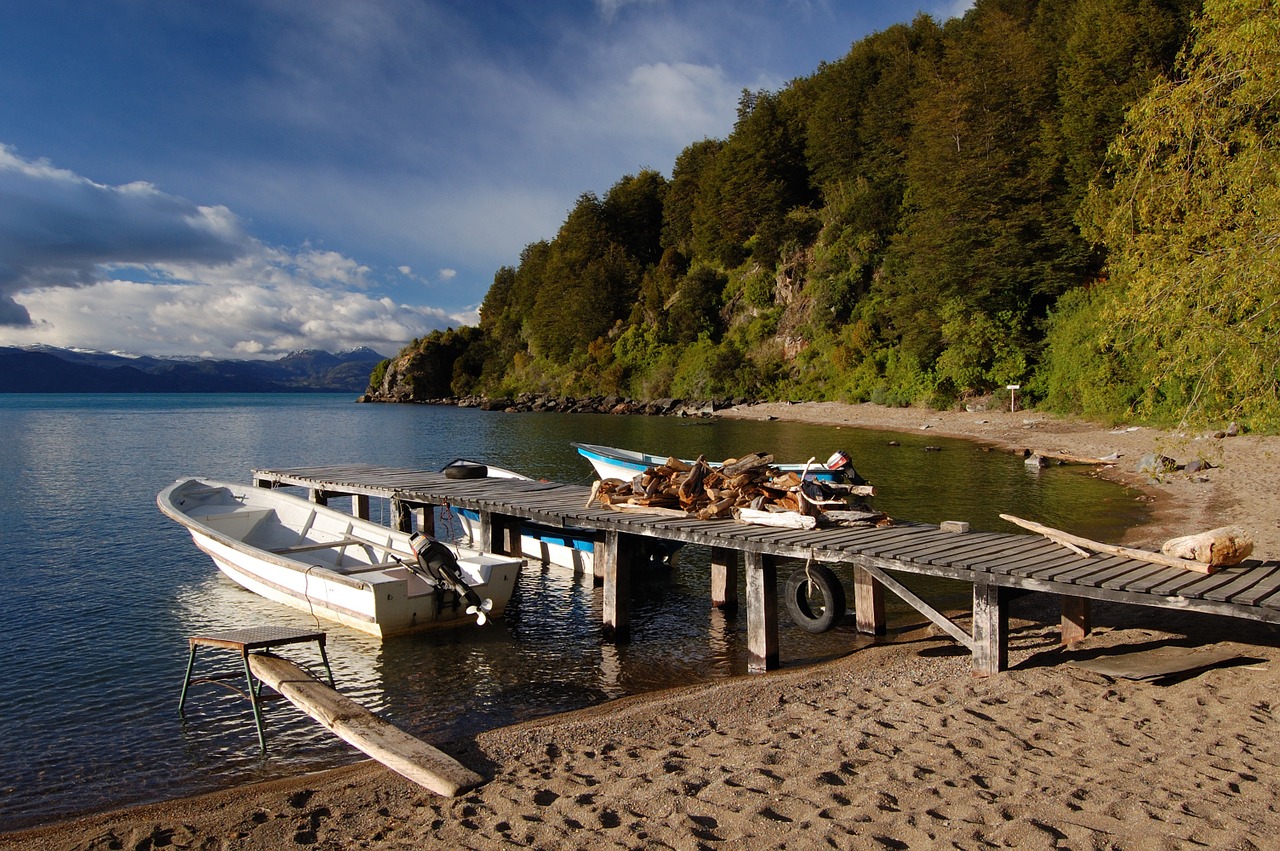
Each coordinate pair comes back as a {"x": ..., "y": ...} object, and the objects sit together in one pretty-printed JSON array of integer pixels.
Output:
[
  {"x": 1221, "y": 547},
  {"x": 1078, "y": 544}
]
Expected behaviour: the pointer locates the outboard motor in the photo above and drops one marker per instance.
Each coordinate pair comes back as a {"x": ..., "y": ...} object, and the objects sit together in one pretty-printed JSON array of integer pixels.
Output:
[
  {"x": 840, "y": 462},
  {"x": 438, "y": 564}
]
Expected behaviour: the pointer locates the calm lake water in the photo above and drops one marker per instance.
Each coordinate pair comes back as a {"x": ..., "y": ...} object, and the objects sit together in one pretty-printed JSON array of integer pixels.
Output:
[{"x": 101, "y": 591}]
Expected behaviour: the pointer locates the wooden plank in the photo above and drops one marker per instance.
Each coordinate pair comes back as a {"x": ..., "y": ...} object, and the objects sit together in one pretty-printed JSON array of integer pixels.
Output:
[
  {"x": 1136, "y": 575},
  {"x": 1077, "y": 572},
  {"x": 762, "y": 613},
  {"x": 1051, "y": 557},
  {"x": 1100, "y": 578},
  {"x": 389, "y": 745},
  {"x": 967, "y": 554},
  {"x": 1264, "y": 592},
  {"x": 946, "y": 545},
  {"x": 896, "y": 546},
  {"x": 959, "y": 542},
  {"x": 1240, "y": 587}
]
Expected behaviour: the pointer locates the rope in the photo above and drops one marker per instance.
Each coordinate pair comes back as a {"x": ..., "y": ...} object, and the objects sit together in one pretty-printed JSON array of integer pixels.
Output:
[{"x": 306, "y": 592}]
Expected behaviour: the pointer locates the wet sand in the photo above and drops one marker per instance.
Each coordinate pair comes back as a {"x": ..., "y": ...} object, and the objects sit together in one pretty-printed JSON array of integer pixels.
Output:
[{"x": 894, "y": 746}]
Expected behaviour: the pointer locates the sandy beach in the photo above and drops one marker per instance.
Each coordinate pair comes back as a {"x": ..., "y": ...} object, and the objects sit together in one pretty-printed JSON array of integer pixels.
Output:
[{"x": 894, "y": 746}]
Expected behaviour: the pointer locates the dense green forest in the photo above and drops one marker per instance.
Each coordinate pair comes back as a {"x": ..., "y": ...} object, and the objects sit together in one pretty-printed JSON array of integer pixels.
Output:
[{"x": 1078, "y": 196}]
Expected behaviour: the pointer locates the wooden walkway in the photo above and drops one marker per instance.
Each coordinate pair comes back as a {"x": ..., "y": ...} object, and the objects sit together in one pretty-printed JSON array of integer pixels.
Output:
[{"x": 999, "y": 565}]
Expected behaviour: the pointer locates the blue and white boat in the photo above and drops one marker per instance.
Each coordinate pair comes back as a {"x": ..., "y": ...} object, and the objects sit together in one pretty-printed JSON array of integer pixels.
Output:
[{"x": 626, "y": 464}]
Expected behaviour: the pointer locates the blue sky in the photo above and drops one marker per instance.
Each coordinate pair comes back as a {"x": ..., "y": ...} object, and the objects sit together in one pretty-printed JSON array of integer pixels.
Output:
[{"x": 243, "y": 178}]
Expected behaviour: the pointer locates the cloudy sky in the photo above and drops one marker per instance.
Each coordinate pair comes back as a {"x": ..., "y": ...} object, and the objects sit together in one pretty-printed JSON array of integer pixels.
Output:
[{"x": 243, "y": 178}]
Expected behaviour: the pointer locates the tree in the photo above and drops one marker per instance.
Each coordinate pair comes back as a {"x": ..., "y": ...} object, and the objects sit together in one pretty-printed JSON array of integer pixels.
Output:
[
  {"x": 632, "y": 211},
  {"x": 1192, "y": 226},
  {"x": 1114, "y": 52},
  {"x": 985, "y": 224}
]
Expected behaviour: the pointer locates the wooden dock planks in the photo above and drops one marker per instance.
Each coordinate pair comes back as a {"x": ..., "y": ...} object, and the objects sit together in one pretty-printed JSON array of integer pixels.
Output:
[{"x": 998, "y": 563}]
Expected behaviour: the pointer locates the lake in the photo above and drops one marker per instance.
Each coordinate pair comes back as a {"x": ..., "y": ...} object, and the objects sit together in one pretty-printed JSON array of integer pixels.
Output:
[{"x": 101, "y": 591}]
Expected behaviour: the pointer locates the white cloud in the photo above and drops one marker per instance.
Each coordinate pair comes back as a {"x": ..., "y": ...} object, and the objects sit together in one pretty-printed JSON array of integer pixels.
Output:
[
  {"x": 448, "y": 274},
  {"x": 266, "y": 304},
  {"x": 59, "y": 229},
  {"x": 131, "y": 267}
]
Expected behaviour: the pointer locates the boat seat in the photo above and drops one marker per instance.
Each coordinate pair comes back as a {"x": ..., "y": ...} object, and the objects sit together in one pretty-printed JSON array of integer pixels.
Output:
[
  {"x": 366, "y": 568},
  {"x": 320, "y": 545},
  {"x": 237, "y": 522}
]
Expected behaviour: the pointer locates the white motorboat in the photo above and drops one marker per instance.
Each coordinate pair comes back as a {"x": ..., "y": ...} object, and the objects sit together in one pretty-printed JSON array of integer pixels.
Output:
[
  {"x": 626, "y": 464},
  {"x": 336, "y": 566}
]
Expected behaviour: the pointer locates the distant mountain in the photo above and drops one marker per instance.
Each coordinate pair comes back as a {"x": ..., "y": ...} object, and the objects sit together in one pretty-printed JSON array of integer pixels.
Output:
[{"x": 45, "y": 369}]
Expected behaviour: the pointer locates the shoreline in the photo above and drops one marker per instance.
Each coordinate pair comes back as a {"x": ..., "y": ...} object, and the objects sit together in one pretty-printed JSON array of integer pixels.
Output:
[{"x": 894, "y": 745}]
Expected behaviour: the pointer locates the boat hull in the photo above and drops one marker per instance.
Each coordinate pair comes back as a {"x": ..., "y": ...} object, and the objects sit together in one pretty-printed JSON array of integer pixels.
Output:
[
  {"x": 326, "y": 563},
  {"x": 626, "y": 464}
]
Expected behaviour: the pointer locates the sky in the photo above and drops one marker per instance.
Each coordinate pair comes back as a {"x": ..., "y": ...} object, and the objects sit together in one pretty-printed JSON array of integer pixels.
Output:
[{"x": 245, "y": 178}]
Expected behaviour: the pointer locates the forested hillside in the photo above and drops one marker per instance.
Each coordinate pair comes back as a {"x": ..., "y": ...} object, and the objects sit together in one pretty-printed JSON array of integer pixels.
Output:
[{"x": 1078, "y": 196}]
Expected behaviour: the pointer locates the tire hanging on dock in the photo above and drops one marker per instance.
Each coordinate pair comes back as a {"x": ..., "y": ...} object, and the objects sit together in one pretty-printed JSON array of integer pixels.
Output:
[{"x": 815, "y": 598}]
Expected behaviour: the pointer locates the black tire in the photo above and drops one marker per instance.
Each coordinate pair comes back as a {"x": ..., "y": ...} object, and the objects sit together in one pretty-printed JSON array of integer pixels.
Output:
[
  {"x": 466, "y": 471},
  {"x": 815, "y": 598}
]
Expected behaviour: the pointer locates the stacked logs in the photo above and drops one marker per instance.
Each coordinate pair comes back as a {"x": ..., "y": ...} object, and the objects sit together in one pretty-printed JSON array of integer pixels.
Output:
[{"x": 699, "y": 490}]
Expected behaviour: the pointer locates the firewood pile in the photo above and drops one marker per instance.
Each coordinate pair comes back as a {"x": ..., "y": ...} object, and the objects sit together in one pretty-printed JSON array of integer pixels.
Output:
[{"x": 747, "y": 488}]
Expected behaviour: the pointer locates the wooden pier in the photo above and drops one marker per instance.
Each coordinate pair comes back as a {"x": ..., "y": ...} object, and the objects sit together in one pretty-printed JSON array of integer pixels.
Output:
[{"x": 999, "y": 565}]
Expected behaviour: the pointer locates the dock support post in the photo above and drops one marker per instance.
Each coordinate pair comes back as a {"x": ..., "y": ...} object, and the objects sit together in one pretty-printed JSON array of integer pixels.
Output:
[
  {"x": 319, "y": 497},
  {"x": 401, "y": 515},
  {"x": 499, "y": 533},
  {"x": 762, "y": 613},
  {"x": 1075, "y": 619},
  {"x": 360, "y": 505},
  {"x": 990, "y": 629},
  {"x": 724, "y": 578},
  {"x": 868, "y": 603},
  {"x": 427, "y": 519},
  {"x": 617, "y": 554}
]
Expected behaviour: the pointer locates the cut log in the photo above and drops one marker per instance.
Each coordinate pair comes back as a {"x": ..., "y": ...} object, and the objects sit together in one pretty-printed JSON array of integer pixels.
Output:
[
  {"x": 1066, "y": 538},
  {"x": 1217, "y": 548},
  {"x": 388, "y": 744},
  {"x": 755, "y": 461}
]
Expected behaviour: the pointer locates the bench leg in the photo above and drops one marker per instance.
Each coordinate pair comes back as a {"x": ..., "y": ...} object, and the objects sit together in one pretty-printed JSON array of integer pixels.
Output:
[
  {"x": 186, "y": 682},
  {"x": 253, "y": 699}
]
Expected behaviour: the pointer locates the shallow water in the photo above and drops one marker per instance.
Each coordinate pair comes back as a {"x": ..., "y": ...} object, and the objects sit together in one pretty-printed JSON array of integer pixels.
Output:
[{"x": 101, "y": 591}]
